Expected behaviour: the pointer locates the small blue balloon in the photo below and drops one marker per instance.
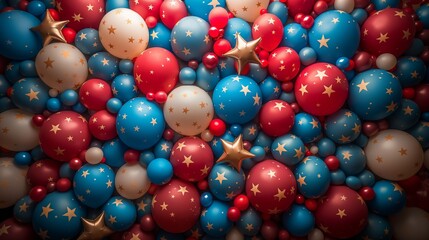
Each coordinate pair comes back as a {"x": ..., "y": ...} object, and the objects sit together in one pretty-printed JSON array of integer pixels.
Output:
[
  {"x": 126, "y": 66},
  {"x": 103, "y": 65},
  {"x": 163, "y": 149},
  {"x": 160, "y": 171},
  {"x": 259, "y": 153},
  {"x": 326, "y": 147},
  {"x": 313, "y": 177},
  {"x": 215, "y": 219},
  {"x": 236, "y": 129},
  {"x": 353, "y": 182},
  {"x": 417, "y": 47},
  {"x": 421, "y": 132},
  {"x": 263, "y": 141},
  {"x": 53, "y": 104},
  {"x": 12, "y": 72},
  {"x": 124, "y": 88},
  {"x": 78, "y": 107},
  {"x": 23, "y": 209},
  {"x": 6, "y": 104},
  {"x": 359, "y": 15},
  {"x": 410, "y": 71},
  {"x": 113, "y": 152},
  {"x": 206, "y": 199},
  {"x": 31, "y": 94},
  {"x": 120, "y": 213},
  {"x": 67, "y": 172},
  {"x": 36, "y": 8},
  {"x": 114, "y": 4},
  {"x": 288, "y": 97},
  {"x": 389, "y": 198},
  {"x": 307, "y": 55},
  {"x": 280, "y": 10},
  {"x": 307, "y": 127},
  {"x": 298, "y": 220},
  {"x": 113, "y": 105},
  {"x": 235, "y": 27},
  {"x": 338, "y": 177},
  {"x": 37, "y": 153},
  {"x": 69, "y": 97},
  {"x": 144, "y": 205},
  {"x": 250, "y": 131},
  {"x": 352, "y": 159},
  {"x": 362, "y": 140},
  {"x": 295, "y": 37},
  {"x": 257, "y": 72},
  {"x": 342, "y": 63},
  {"x": 88, "y": 42},
  {"x": 383, "y": 4},
  {"x": 187, "y": 76},
  {"x": 225, "y": 182},
  {"x": 288, "y": 149},
  {"x": 207, "y": 78},
  {"x": 367, "y": 178},
  {"x": 216, "y": 144},
  {"x": 250, "y": 222},
  {"x": 344, "y": 126},
  {"x": 423, "y": 14},
  {"x": 270, "y": 89},
  {"x": 22, "y": 158},
  {"x": 159, "y": 36},
  {"x": 146, "y": 157},
  {"x": 27, "y": 68},
  {"x": 226, "y": 67}
]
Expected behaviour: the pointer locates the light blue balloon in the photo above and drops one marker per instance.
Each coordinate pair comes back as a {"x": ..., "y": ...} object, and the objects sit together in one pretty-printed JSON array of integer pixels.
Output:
[{"x": 237, "y": 26}]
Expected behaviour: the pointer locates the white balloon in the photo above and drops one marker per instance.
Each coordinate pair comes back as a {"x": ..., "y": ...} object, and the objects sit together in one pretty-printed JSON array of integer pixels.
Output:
[
  {"x": 61, "y": 66},
  {"x": 410, "y": 223},
  {"x": 386, "y": 61},
  {"x": 234, "y": 234},
  {"x": 427, "y": 159},
  {"x": 206, "y": 135},
  {"x": 394, "y": 155},
  {"x": 188, "y": 110},
  {"x": 248, "y": 10},
  {"x": 131, "y": 181},
  {"x": 123, "y": 33},
  {"x": 344, "y": 5},
  {"x": 17, "y": 132},
  {"x": 316, "y": 234},
  {"x": 13, "y": 184},
  {"x": 94, "y": 155}
]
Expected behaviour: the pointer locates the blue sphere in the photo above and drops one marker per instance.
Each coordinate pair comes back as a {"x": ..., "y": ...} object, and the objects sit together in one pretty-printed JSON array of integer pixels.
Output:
[
  {"x": 298, "y": 220},
  {"x": 344, "y": 126},
  {"x": 69, "y": 97},
  {"x": 36, "y": 8},
  {"x": 88, "y": 41},
  {"x": 27, "y": 68},
  {"x": 140, "y": 123},
  {"x": 126, "y": 66},
  {"x": 352, "y": 159},
  {"x": 406, "y": 116},
  {"x": 250, "y": 222},
  {"x": 367, "y": 178},
  {"x": 237, "y": 26},
  {"x": 146, "y": 157},
  {"x": 353, "y": 182},
  {"x": 215, "y": 219},
  {"x": 307, "y": 55},
  {"x": 410, "y": 71},
  {"x": 270, "y": 89},
  {"x": 103, "y": 65},
  {"x": 144, "y": 205},
  {"x": 326, "y": 147},
  {"x": 53, "y": 104},
  {"x": 257, "y": 72},
  {"x": 12, "y": 72},
  {"x": 389, "y": 198},
  {"x": 295, "y": 37},
  {"x": 378, "y": 227},
  {"x": 280, "y": 10},
  {"x": 113, "y": 105},
  {"x": 23, "y": 209},
  {"x": 313, "y": 177},
  {"x": 338, "y": 177},
  {"x": 124, "y": 88},
  {"x": 31, "y": 95},
  {"x": 421, "y": 132},
  {"x": 202, "y": 8},
  {"x": 423, "y": 14},
  {"x": 113, "y": 152},
  {"x": 159, "y": 36},
  {"x": 120, "y": 213},
  {"x": 288, "y": 149},
  {"x": 383, "y": 4},
  {"x": 160, "y": 171},
  {"x": 206, "y": 199},
  {"x": 225, "y": 182},
  {"x": 187, "y": 76},
  {"x": 207, "y": 78},
  {"x": 22, "y": 158},
  {"x": 236, "y": 99},
  {"x": 307, "y": 127}
]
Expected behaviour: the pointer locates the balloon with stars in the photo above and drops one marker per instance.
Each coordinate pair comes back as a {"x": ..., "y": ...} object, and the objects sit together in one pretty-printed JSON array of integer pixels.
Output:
[
  {"x": 307, "y": 127},
  {"x": 313, "y": 177},
  {"x": 288, "y": 149},
  {"x": 17, "y": 131},
  {"x": 321, "y": 89},
  {"x": 276, "y": 118},
  {"x": 176, "y": 206},
  {"x": 30, "y": 94},
  {"x": 64, "y": 135},
  {"x": 81, "y": 13},
  {"x": 225, "y": 182},
  {"x": 12, "y": 228},
  {"x": 248, "y": 10},
  {"x": 146, "y": 8},
  {"x": 390, "y": 198},
  {"x": 214, "y": 220},
  {"x": 13, "y": 182},
  {"x": 120, "y": 213},
  {"x": 284, "y": 64},
  {"x": 342, "y": 127},
  {"x": 271, "y": 187},
  {"x": 94, "y": 94},
  {"x": 270, "y": 29}
]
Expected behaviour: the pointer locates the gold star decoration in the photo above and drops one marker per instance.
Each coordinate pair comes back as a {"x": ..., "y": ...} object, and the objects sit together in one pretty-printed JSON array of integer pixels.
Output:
[
  {"x": 50, "y": 29},
  {"x": 244, "y": 52},
  {"x": 94, "y": 229},
  {"x": 234, "y": 153}
]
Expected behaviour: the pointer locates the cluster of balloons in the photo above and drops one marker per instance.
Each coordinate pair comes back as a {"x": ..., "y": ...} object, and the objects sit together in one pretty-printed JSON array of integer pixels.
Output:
[{"x": 217, "y": 119}]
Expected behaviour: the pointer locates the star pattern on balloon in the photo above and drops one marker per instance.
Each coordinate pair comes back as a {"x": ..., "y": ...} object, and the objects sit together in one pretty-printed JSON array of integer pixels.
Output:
[
  {"x": 95, "y": 229},
  {"x": 50, "y": 29},
  {"x": 234, "y": 152},
  {"x": 244, "y": 52}
]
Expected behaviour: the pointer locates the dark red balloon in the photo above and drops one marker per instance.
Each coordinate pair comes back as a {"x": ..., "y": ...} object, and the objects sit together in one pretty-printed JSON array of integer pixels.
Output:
[
  {"x": 42, "y": 172},
  {"x": 135, "y": 232},
  {"x": 94, "y": 94},
  {"x": 234, "y": 214},
  {"x": 300, "y": 6},
  {"x": 276, "y": 118},
  {"x": 269, "y": 230},
  {"x": 422, "y": 97},
  {"x": 81, "y": 13},
  {"x": 37, "y": 193},
  {"x": 332, "y": 162},
  {"x": 147, "y": 223},
  {"x": 63, "y": 185},
  {"x": 210, "y": 60},
  {"x": 241, "y": 202},
  {"x": 146, "y": 8},
  {"x": 12, "y": 229},
  {"x": 102, "y": 125}
]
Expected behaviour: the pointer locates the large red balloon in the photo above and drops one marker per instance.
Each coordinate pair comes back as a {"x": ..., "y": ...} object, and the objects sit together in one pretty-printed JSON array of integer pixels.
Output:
[
  {"x": 176, "y": 206},
  {"x": 342, "y": 213},
  {"x": 43, "y": 172},
  {"x": 94, "y": 94},
  {"x": 271, "y": 187},
  {"x": 81, "y": 13},
  {"x": 192, "y": 159},
  {"x": 276, "y": 118},
  {"x": 390, "y": 30},
  {"x": 284, "y": 64},
  {"x": 12, "y": 229},
  {"x": 321, "y": 89},
  {"x": 146, "y": 8},
  {"x": 171, "y": 11},
  {"x": 270, "y": 29},
  {"x": 64, "y": 135},
  {"x": 300, "y": 6},
  {"x": 155, "y": 70},
  {"x": 102, "y": 125}
]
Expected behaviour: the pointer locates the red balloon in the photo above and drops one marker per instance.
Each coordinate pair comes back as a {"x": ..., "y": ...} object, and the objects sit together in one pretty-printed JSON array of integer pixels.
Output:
[
  {"x": 63, "y": 185},
  {"x": 81, "y": 13},
  {"x": 217, "y": 127},
  {"x": 241, "y": 202},
  {"x": 43, "y": 171},
  {"x": 64, "y": 135},
  {"x": 12, "y": 229},
  {"x": 156, "y": 69},
  {"x": 221, "y": 46},
  {"x": 146, "y": 8},
  {"x": 300, "y": 6},
  {"x": 94, "y": 94},
  {"x": 218, "y": 17},
  {"x": 102, "y": 125},
  {"x": 332, "y": 162},
  {"x": 276, "y": 118},
  {"x": 37, "y": 193},
  {"x": 269, "y": 230},
  {"x": 176, "y": 206},
  {"x": 135, "y": 232},
  {"x": 321, "y": 89},
  {"x": 342, "y": 213},
  {"x": 210, "y": 60},
  {"x": 363, "y": 61},
  {"x": 269, "y": 28},
  {"x": 284, "y": 64},
  {"x": 234, "y": 214},
  {"x": 192, "y": 159},
  {"x": 69, "y": 35},
  {"x": 271, "y": 187},
  {"x": 390, "y": 30},
  {"x": 171, "y": 11},
  {"x": 421, "y": 97},
  {"x": 147, "y": 224}
]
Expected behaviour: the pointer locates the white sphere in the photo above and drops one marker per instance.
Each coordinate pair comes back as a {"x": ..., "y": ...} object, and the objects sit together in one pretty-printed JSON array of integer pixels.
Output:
[
  {"x": 344, "y": 5},
  {"x": 410, "y": 223},
  {"x": 234, "y": 234},
  {"x": 131, "y": 181},
  {"x": 94, "y": 155},
  {"x": 13, "y": 184},
  {"x": 386, "y": 61},
  {"x": 206, "y": 135},
  {"x": 17, "y": 132},
  {"x": 316, "y": 234}
]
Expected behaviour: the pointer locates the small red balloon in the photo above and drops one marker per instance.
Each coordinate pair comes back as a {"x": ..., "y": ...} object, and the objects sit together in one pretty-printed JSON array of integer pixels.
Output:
[
  {"x": 269, "y": 28},
  {"x": 69, "y": 34},
  {"x": 299, "y": 199},
  {"x": 217, "y": 127},
  {"x": 131, "y": 156},
  {"x": 102, "y": 125},
  {"x": 311, "y": 204},
  {"x": 269, "y": 230},
  {"x": 422, "y": 97},
  {"x": 171, "y": 11},
  {"x": 218, "y": 17},
  {"x": 221, "y": 46},
  {"x": 42, "y": 172},
  {"x": 307, "y": 22},
  {"x": 160, "y": 97},
  {"x": 332, "y": 162},
  {"x": 37, "y": 193},
  {"x": 63, "y": 185},
  {"x": 241, "y": 202},
  {"x": 151, "y": 21},
  {"x": 38, "y": 120},
  {"x": 234, "y": 214},
  {"x": 284, "y": 64},
  {"x": 210, "y": 60},
  {"x": 75, "y": 164},
  {"x": 147, "y": 223}
]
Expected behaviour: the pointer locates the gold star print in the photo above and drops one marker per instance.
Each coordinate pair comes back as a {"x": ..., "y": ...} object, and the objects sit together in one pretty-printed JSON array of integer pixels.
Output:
[
  {"x": 244, "y": 52},
  {"x": 344, "y": 139},
  {"x": 301, "y": 180},
  {"x": 328, "y": 90},
  {"x": 391, "y": 107},
  {"x": 382, "y": 38},
  {"x": 403, "y": 151},
  {"x": 321, "y": 74},
  {"x": 271, "y": 173},
  {"x": 209, "y": 226},
  {"x": 400, "y": 14},
  {"x": 303, "y": 89},
  {"x": 118, "y": 202},
  {"x": 279, "y": 106},
  {"x": 187, "y": 160},
  {"x": 346, "y": 155},
  {"x": 46, "y": 210},
  {"x": 280, "y": 194},
  {"x": 388, "y": 137},
  {"x": 50, "y": 29},
  {"x": 255, "y": 189},
  {"x": 43, "y": 234},
  {"x": 408, "y": 110},
  {"x": 362, "y": 86},
  {"x": 48, "y": 63},
  {"x": 4, "y": 229},
  {"x": 341, "y": 213},
  {"x": 70, "y": 213},
  {"x": 356, "y": 128},
  {"x": 406, "y": 34},
  {"x": 281, "y": 148},
  {"x": 314, "y": 123},
  {"x": 59, "y": 151},
  {"x": 111, "y": 29},
  {"x": 23, "y": 208},
  {"x": 323, "y": 42},
  {"x": 164, "y": 206},
  {"x": 396, "y": 187},
  {"x": 245, "y": 89},
  {"x": 112, "y": 219},
  {"x": 234, "y": 153},
  {"x": 32, "y": 95},
  {"x": 379, "y": 159},
  {"x": 182, "y": 190},
  {"x": 298, "y": 153},
  {"x": 94, "y": 229},
  {"x": 85, "y": 173},
  {"x": 221, "y": 177},
  {"x": 77, "y": 17}
]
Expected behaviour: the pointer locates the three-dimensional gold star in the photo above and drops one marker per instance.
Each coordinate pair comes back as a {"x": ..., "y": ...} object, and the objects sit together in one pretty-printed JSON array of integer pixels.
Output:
[
  {"x": 244, "y": 52},
  {"x": 94, "y": 229},
  {"x": 50, "y": 29},
  {"x": 234, "y": 153}
]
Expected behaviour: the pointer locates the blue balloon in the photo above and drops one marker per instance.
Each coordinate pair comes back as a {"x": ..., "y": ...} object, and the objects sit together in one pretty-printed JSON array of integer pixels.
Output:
[
  {"x": 67, "y": 172},
  {"x": 113, "y": 152},
  {"x": 207, "y": 78},
  {"x": 206, "y": 199},
  {"x": 417, "y": 47},
  {"x": 280, "y": 10},
  {"x": 236, "y": 99},
  {"x": 140, "y": 123},
  {"x": 360, "y": 15},
  {"x": 146, "y": 157},
  {"x": 187, "y": 76},
  {"x": 406, "y": 116},
  {"x": 367, "y": 178},
  {"x": 214, "y": 219},
  {"x": 326, "y": 147},
  {"x": 120, "y": 213},
  {"x": 36, "y": 8},
  {"x": 352, "y": 159},
  {"x": 190, "y": 39},
  {"x": 124, "y": 88},
  {"x": 144, "y": 205},
  {"x": 294, "y": 36},
  {"x": 17, "y": 40},
  {"x": 23, "y": 209},
  {"x": 22, "y": 159},
  {"x": 53, "y": 104},
  {"x": 4, "y": 86},
  {"x": 69, "y": 97},
  {"x": 423, "y": 14},
  {"x": 56, "y": 210},
  {"x": 259, "y": 153},
  {"x": 353, "y": 182},
  {"x": 389, "y": 198},
  {"x": 226, "y": 67},
  {"x": 250, "y": 131},
  {"x": 236, "y": 129},
  {"x": 159, "y": 36},
  {"x": 308, "y": 56},
  {"x": 334, "y": 34},
  {"x": 249, "y": 223},
  {"x": 103, "y": 65},
  {"x": 12, "y": 72},
  {"x": 313, "y": 177},
  {"x": 216, "y": 144},
  {"x": 410, "y": 71},
  {"x": 160, "y": 171},
  {"x": 288, "y": 97},
  {"x": 225, "y": 182},
  {"x": 257, "y": 72},
  {"x": 263, "y": 141},
  {"x": 383, "y": 4},
  {"x": 202, "y": 8},
  {"x": 114, "y": 4},
  {"x": 288, "y": 149},
  {"x": 88, "y": 42},
  {"x": 344, "y": 126},
  {"x": 94, "y": 184},
  {"x": 374, "y": 94},
  {"x": 378, "y": 227},
  {"x": 6, "y": 104},
  {"x": 307, "y": 127},
  {"x": 237, "y": 26},
  {"x": 27, "y": 68},
  {"x": 298, "y": 220},
  {"x": 270, "y": 89},
  {"x": 338, "y": 177},
  {"x": 421, "y": 132},
  {"x": 30, "y": 94},
  {"x": 126, "y": 66},
  {"x": 163, "y": 149}
]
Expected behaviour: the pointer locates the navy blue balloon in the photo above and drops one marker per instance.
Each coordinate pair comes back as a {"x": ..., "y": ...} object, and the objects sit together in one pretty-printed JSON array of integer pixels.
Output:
[
  {"x": 88, "y": 42},
  {"x": 367, "y": 178},
  {"x": 307, "y": 55},
  {"x": 378, "y": 227},
  {"x": 114, "y": 4},
  {"x": 124, "y": 88},
  {"x": 338, "y": 177},
  {"x": 27, "y": 68},
  {"x": 294, "y": 36},
  {"x": 12, "y": 72},
  {"x": 249, "y": 223},
  {"x": 307, "y": 127},
  {"x": 30, "y": 94},
  {"x": 126, "y": 66},
  {"x": 6, "y": 104},
  {"x": 406, "y": 116},
  {"x": 103, "y": 65},
  {"x": 23, "y": 209},
  {"x": 215, "y": 218},
  {"x": 159, "y": 36},
  {"x": 202, "y": 8},
  {"x": 225, "y": 182},
  {"x": 263, "y": 141},
  {"x": 417, "y": 46},
  {"x": 206, "y": 199},
  {"x": 423, "y": 14},
  {"x": 120, "y": 213},
  {"x": 353, "y": 182},
  {"x": 144, "y": 205},
  {"x": 36, "y": 8},
  {"x": 280, "y": 10},
  {"x": 389, "y": 198},
  {"x": 421, "y": 132},
  {"x": 344, "y": 126},
  {"x": 352, "y": 159},
  {"x": 326, "y": 147},
  {"x": 17, "y": 40},
  {"x": 207, "y": 78},
  {"x": 187, "y": 76},
  {"x": 113, "y": 152},
  {"x": 360, "y": 15},
  {"x": 313, "y": 177},
  {"x": 410, "y": 71},
  {"x": 270, "y": 89},
  {"x": 298, "y": 220},
  {"x": 237, "y": 26},
  {"x": 383, "y": 4},
  {"x": 4, "y": 85},
  {"x": 69, "y": 97},
  {"x": 288, "y": 149}
]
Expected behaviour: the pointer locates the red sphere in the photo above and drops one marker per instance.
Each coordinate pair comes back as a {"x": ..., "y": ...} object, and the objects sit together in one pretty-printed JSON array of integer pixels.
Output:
[
  {"x": 37, "y": 193},
  {"x": 51, "y": 186},
  {"x": 156, "y": 69},
  {"x": 269, "y": 28},
  {"x": 146, "y": 8},
  {"x": 63, "y": 185},
  {"x": 217, "y": 127},
  {"x": 271, "y": 187},
  {"x": 203, "y": 185},
  {"x": 422, "y": 97},
  {"x": 284, "y": 235},
  {"x": 102, "y": 125},
  {"x": 218, "y": 17},
  {"x": 210, "y": 60},
  {"x": 342, "y": 213},
  {"x": 54, "y": 14},
  {"x": 213, "y": 32},
  {"x": 151, "y": 21},
  {"x": 284, "y": 64},
  {"x": 276, "y": 118},
  {"x": 168, "y": 134},
  {"x": 147, "y": 223},
  {"x": 131, "y": 156},
  {"x": 241, "y": 202},
  {"x": 75, "y": 164},
  {"x": 234, "y": 214},
  {"x": 16, "y": 230},
  {"x": 299, "y": 199},
  {"x": 38, "y": 119},
  {"x": 370, "y": 128},
  {"x": 135, "y": 230},
  {"x": 192, "y": 159},
  {"x": 79, "y": 14},
  {"x": 94, "y": 94},
  {"x": 307, "y": 22},
  {"x": 42, "y": 172},
  {"x": 172, "y": 11},
  {"x": 320, "y": 6},
  {"x": 161, "y": 97},
  {"x": 321, "y": 89},
  {"x": 367, "y": 193},
  {"x": 176, "y": 206},
  {"x": 299, "y": 6},
  {"x": 69, "y": 34},
  {"x": 269, "y": 230},
  {"x": 311, "y": 204},
  {"x": 332, "y": 162},
  {"x": 221, "y": 46}
]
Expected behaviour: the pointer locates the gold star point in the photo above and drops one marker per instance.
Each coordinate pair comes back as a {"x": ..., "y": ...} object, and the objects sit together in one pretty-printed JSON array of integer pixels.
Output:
[
  {"x": 94, "y": 229},
  {"x": 50, "y": 29},
  {"x": 234, "y": 153},
  {"x": 244, "y": 52}
]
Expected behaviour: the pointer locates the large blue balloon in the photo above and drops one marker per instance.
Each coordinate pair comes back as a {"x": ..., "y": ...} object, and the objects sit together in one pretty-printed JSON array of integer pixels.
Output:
[
  {"x": 214, "y": 219},
  {"x": 17, "y": 40},
  {"x": 202, "y": 8},
  {"x": 225, "y": 182},
  {"x": 30, "y": 94},
  {"x": 120, "y": 213},
  {"x": 313, "y": 177}
]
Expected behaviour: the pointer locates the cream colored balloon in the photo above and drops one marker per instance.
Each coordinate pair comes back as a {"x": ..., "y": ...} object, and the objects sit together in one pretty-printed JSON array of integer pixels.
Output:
[
  {"x": 234, "y": 234},
  {"x": 188, "y": 110},
  {"x": 410, "y": 223},
  {"x": 13, "y": 184},
  {"x": 386, "y": 61},
  {"x": 131, "y": 181},
  {"x": 248, "y": 10},
  {"x": 394, "y": 155},
  {"x": 123, "y": 33},
  {"x": 344, "y": 5},
  {"x": 94, "y": 155},
  {"x": 316, "y": 234},
  {"x": 17, "y": 132},
  {"x": 61, "y": 66}
]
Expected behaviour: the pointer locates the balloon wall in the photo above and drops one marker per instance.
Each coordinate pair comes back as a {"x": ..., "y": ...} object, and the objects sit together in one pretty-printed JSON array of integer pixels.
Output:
[{"x": 215, "y": 119}]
